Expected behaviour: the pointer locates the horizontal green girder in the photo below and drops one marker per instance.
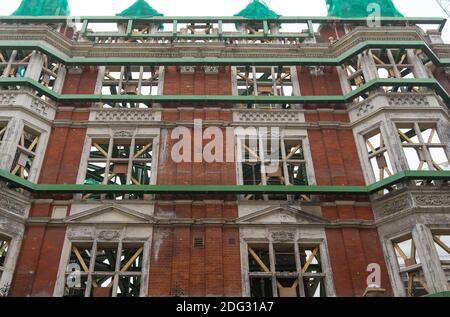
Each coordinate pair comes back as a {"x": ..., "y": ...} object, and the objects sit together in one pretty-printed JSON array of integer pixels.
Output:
[
  {"x": 211, "y": 19},
  {"x": 214, "y": 99},
  {"x": 18, "y": 182},
  {"x": 234, "y": 61}
]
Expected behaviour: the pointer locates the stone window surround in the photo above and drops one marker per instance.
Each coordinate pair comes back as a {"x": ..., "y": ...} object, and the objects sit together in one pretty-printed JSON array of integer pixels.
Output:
[
  {"x": 101, "y": 76},
  {"x": 285, "y": 134},
  {"x": 111, "y": 133},
  {"x": 326, "y": 265},
  {"x": 13, "y": 232},
  {"x": 294, "y": 80},
  {"x": 386, "y": 123},
  {"x": 426, "y": 251},
  {"x": 369, "y": 70},
  {"x": 102, "y": 236},
  {"x": 10, "y": 142}
]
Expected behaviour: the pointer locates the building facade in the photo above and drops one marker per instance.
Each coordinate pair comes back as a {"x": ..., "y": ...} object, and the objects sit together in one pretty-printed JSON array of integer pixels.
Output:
[{"x": 259, "y": 156}]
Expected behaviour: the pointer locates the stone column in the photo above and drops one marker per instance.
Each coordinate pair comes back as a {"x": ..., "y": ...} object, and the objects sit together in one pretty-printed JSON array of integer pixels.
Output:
[
  {"x": 10, "y": 142},
  {"x": 431, "y": 265}
]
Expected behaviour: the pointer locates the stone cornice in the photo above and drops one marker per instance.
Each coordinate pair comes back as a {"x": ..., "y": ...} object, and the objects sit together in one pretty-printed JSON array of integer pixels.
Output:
[{"x": 45, "y": 34}]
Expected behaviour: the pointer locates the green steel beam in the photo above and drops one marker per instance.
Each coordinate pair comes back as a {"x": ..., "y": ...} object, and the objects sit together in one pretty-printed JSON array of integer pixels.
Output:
[
  {"x": 18, "y": 182},
  {"x": 225, "y": 19},
  {"x": 214, "y": 99},
  {"x": 185, "y": 61}
]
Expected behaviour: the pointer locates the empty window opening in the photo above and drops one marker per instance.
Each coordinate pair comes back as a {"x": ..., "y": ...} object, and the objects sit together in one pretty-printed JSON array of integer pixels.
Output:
[
  {"x": 378, "y": 155},
  {"x": 442, "y": 244},
  {"x": 410, "y": 267},
  {"x": 296, "y": 270},
  {"x": 3, "y": 126},
  {"x": 265, "y": 81},
  {"x": 130, "y": 80},
  {"x": 273, "y": 161},
  {"x": 119, "y": 161},
  {"x": 25, "y": 153},
  {"x": 4, "y": 245},
  {"x": 422, "y": 146},
  {"x": 112, "y": 270}
]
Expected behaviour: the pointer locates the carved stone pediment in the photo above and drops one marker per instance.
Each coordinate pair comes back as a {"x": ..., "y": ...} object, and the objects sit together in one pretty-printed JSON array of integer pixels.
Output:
[
  {"x": 112, "y": 213},
  {"x": 392, "y": 206},
  {"x": 12, "y": 205},
  {"x": 281, "y": 215}
]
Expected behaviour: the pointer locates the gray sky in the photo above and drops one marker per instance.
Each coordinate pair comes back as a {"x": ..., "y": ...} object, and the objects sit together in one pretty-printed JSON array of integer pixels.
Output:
[{"x": 410, "y": 8}]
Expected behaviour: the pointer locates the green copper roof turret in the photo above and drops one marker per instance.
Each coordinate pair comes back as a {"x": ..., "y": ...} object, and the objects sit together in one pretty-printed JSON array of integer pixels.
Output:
[
  {"x": 257, "y": 10},
  {"x": 43, "y": 8},
  {"x": 139, "y": 9},
  {"x": 361, "y": 8}
]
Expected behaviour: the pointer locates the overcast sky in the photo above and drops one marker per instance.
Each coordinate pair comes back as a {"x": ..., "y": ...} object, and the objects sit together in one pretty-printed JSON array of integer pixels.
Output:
[{"x": 410, "y": 8}]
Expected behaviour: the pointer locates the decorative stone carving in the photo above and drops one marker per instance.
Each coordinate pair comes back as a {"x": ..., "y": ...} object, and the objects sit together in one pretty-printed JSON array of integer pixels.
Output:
[
  {"x": 393, "y": 206},
  {"x": 187, "y": 69},
  {"x": 364, "y": 109},
  {"x": 39, "y": 107},
  {"x": 7, "y": 99},
  {"x": 108, "y": 235},
  {"x": 316, "y": 70},
  {"x": 124, "y": 115},
  {"x": 211, "y": 69},
  {"x": 123, "y": 133},
  {"x": 285, "y": 116},
  {"x": 408, "y": 100},
  {"x": 433, "y": 200},
  {"x": 11, "y": 205},
  {"x": 283, "y": 236}
]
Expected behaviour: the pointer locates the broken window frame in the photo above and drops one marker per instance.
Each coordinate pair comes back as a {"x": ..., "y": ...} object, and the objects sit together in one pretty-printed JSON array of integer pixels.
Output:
[
  {"x": 3, "y": 127},
  {"x": 14, "y": 63},
  {"x": 112, "y": 159},
  {"x": 410, "y": 272},
  {"x": 265, "y": 81},
  {"x": 443, "y": 244},
  {"x": 378, "y": 156},
  {"x": 25, "y": 156},
  {"x": 422, "y": 148},
  {"x": 17, "y": 62},
  {"x": 130, "y": 80},
  {"x": 253, "y": 151},
  {"x": 397, "y": 63},
  {"x": 300, "y": 275},
  {"x": 393, "y": 62},
  {"x": 122, "y": 266},
  {"x": 5, "y": 243}
]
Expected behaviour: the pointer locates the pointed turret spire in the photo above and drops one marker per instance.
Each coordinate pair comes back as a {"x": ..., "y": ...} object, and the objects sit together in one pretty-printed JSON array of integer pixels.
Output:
[
  {"x": 360, "y": 8},
  {"x": 257, "y": 9},
  {"x": 43, "y": 8},
  {"x": 139, "y": 9}
]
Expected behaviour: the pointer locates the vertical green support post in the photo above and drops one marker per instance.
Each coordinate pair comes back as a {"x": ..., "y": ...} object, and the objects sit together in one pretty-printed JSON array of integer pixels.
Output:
[
  {"x": 310, "y": 28},
  {"x": 265, "y": 27},
  {"x": 129, "y": 27},
  {"x": 175, "y": 27},
  {"x": 220, "y": 28},
  {"x": 84, "y": 27}
]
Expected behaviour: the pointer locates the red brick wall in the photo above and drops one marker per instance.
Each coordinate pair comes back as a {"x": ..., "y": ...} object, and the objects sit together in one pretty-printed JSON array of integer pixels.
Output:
[
  {"x": 328, "y": 31},
  {"x": 38, "y": 261},
  {"x": 336, "y": 162},
  {"x": 319, "y": 85},
  {"x": 177, "y": 268},
  {"x": 198, "y": 83},
  {"x": 40, "y": 253}
]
